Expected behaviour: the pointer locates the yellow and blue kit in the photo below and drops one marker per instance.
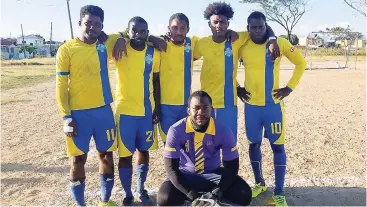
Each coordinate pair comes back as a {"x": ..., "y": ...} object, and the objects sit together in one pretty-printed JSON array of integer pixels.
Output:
[
  {"x": 83, "y": 93},
  {"x": 219, "y": 76},
  {"x": 261, "y": 78},
  {"x": 263, "y": 110},
  {"x": 134, "y": 97},
  {"x": 175, "y": 79}
]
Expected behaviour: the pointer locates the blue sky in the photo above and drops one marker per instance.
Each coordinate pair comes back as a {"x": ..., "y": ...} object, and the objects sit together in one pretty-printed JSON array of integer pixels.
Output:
[{"x": 37, "y": 15}]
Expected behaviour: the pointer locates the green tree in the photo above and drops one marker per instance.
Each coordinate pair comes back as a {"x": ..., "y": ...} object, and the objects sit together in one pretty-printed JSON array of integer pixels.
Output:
[
  {"x": 345, "y": 33},
  {"x": 287, "y": 13},
  {"x": 30, "y": 49}
]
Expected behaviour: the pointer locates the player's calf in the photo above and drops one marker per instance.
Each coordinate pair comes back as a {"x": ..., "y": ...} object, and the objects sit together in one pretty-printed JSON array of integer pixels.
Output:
[
  {"x": 142, "y": 169},
  {"x": 280, "y": 162},
  {"x": 77, "y": 170},
  {"x": 256, "y": 164},
  {"x": 106, "y": 176},
  {"x": 126, "y": 172},
  {"x": 77, "y": 178}
]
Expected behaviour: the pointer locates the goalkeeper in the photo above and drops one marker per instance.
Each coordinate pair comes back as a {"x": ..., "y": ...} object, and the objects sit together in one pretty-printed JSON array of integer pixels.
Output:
[{"x": 192, "y": 160}]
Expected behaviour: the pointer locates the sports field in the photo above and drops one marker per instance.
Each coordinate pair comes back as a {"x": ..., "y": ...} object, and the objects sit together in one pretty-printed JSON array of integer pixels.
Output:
[{"x": 325, "y": 140}]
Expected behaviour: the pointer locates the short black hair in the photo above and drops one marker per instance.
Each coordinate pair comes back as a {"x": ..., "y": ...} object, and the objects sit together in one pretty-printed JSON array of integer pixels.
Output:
[
  {"x": 180, "y": 17},
  {"x": 92, "y": 10},
  {"x": 256, "y": 15},
  {"x": 218, "y": 8},
  {"x": 200, "y": 94},
  {"x": 137, "y": 19}
]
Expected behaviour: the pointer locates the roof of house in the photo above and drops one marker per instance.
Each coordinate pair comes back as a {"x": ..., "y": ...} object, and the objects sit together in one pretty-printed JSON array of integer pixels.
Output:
[
  {"x": 8, "y": 41},
  {"x": 32, "y": 36}
]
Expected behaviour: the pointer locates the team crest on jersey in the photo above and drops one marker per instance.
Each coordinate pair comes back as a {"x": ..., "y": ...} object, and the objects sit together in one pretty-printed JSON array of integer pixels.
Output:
[
  {"x": 101, "y": 48},
  {"x": 187, "y": 47},
  {"x": 149, "y": 59},
  {"x": 228, "y": 52},
  {"x": 209, "y": 143},
  {"x": 187, "y": 146}
]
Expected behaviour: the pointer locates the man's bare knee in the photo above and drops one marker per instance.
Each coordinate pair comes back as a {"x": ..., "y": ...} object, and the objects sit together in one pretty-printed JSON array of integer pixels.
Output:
[
  {"x": 125, "y": 162},
  {"x": 77, "y": 170},
  {"x": 78, "y": 161},
  {"x": 142, "y": 158},
  {"x": 106, "y": 157},
  {"x": 106, "y": 165}
]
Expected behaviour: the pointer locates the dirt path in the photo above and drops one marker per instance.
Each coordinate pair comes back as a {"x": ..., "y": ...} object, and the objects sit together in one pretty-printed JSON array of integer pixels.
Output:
[{"x": 325, "y": 145}]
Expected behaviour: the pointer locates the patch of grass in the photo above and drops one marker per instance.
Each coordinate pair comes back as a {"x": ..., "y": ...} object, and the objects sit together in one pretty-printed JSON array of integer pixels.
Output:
[
  {"x": 23, "y": 63},
  {"x": 18, "y": 77},
  {"x": 33, "y": 61},
  {"x": 9, "y": 101}
]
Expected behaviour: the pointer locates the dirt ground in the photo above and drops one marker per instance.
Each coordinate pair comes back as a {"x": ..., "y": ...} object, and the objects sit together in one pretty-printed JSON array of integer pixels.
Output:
[{"x": 325, "y": 145}]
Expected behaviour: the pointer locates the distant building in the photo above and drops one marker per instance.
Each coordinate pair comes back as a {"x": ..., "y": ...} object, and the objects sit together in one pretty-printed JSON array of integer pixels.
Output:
[
  {"x": 357, "y": 44},
  {"x": 311, "y": 41},
  {"x": 35, "y": 40},
  {"x": 9, "y": 48}
]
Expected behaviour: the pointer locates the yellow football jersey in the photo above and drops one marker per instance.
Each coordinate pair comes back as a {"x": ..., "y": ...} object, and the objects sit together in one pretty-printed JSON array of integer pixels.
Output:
[
  {"x": 82, "y": 79},
  {"x": 134, "y": 90},
  {"x": 262, "y": 74},
  {"x": 218, "y": 75},
  {"x": 176, "y": 72}
]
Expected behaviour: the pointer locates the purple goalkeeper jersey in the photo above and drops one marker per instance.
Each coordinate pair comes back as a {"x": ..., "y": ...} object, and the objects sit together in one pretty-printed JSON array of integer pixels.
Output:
[{"x": 200, "y": 152}]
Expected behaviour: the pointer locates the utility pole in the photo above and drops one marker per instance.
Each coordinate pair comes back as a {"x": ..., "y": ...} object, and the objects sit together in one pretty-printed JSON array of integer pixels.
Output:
[
  {"x": 51, "y": 39},
  {"x": 21, "y": 26},
  {"x": 71, "y": 26}
]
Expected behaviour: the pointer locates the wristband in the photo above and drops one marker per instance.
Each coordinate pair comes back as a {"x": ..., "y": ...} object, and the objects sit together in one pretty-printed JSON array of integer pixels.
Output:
[{"x": 68, "y": 128}]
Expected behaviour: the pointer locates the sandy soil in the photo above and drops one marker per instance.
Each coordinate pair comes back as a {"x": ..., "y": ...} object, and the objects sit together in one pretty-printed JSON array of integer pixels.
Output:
[{"x": 325, "y": 144}]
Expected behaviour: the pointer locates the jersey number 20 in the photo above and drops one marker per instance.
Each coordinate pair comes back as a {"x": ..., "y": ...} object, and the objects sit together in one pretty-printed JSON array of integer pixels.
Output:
[{"x": 149, "y": 136}]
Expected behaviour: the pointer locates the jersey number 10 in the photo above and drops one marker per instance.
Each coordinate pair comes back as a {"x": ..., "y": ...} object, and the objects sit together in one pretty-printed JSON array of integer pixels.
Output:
[{"x": 276, "y": 128}]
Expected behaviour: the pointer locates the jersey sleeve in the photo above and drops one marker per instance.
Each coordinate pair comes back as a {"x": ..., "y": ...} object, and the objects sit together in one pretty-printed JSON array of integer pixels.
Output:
[
  {"x": 197, "y": 49},
  {"x": 62, "y": 80},
  {"x": 172, "y": 148},
  {"x": 157, "y": 61},
  {"x": 228, "y": 143},
  {"x": 296, "y": 57},
  {"x": 194, "y": 41},
  {"x": 110, "y": 43},
  {"x": 242, "y": 38}
]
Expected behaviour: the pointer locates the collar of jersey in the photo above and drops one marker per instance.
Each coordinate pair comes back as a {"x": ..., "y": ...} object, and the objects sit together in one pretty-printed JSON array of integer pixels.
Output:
[
  {"x": 210, "y": 130},
  {"x": 182, "y": 45}
]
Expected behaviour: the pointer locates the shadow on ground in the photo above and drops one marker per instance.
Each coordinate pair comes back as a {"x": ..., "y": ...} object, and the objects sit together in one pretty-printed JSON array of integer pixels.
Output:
[
  {"x": 314, "y": 196},
  {"x": 8, "y": 167}
]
